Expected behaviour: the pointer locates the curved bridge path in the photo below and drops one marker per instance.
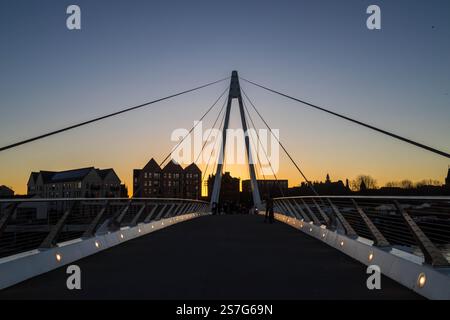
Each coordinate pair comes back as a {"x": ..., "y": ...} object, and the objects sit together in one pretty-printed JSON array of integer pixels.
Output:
[{"x": 215, "y": 257}]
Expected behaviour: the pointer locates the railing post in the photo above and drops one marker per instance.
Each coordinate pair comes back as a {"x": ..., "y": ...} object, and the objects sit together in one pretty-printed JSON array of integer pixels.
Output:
[
  {"x": 284, "y": 207},
  {"x": 431, "y": 253},
  {"x": 114, "y": 223},
  {"x": 380, "y": 240},
  {"x": 161, "y": 212},
  {"x": 349, "y": 231},
  {"x": 311, "y": 213},
  {"x": 295, "y": 214},
  {"x": 90, "y": 231},
  {"x": 300, "y": 210},
  {"x": 277, "y": 204},
  {"x": 123, "y": 213},
  {"x": 9, "y": 212},
  {"x": 138, "y": 215},
  {"x": 189, "y": 208},
  {"x": 172, "y": 208},
  {"x": 180, "y": 209},
  {"x": 324, "y": 216},
  {"x": 50, "y": 240},
  {"x": 151, "y": 213}
]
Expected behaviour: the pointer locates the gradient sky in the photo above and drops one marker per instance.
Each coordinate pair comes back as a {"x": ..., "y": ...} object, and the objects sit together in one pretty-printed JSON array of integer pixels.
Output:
[{"x": 129, "y": 52}]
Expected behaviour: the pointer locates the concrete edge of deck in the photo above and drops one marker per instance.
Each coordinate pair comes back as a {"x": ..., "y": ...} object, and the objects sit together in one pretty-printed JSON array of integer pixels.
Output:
[
  {"x": 20, "y": 267},
  {"x": 401, "y": 270}
]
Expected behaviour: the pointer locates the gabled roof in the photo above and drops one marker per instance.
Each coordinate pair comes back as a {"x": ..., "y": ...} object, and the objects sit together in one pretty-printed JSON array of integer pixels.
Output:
[
  {"x": 34, "y": 176},
  {"x": 71, "y": 175},
  {"x": 104, "y": 172},
  {"x": 173, "y": 167},
  {"x": 192, "y": 168},
  {"x": 152, "y": 166},
  {"x": 6, "y": 189},
  {"x": 47, "y": 176}
]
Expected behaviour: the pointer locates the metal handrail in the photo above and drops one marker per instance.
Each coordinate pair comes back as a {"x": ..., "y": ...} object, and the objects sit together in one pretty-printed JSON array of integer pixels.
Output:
[
  {"x": 438, "y": 198},
  {"x": 420, "y": 224},
  {"x": 95, "y": 199},
  {"x": 38, "y": 223}
]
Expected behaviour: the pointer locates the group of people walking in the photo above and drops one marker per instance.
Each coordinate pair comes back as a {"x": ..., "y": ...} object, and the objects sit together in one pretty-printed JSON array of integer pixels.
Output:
[{"x": 229, "y": 208}]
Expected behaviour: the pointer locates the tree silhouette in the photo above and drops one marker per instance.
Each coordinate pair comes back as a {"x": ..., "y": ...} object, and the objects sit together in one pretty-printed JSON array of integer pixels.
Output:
[{"x": 364, "y": 181}]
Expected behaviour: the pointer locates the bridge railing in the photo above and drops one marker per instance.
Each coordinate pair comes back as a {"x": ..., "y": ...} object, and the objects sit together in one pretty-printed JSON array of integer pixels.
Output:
[
  {"x": 418, "y": 225},
  {"x": 27, "y": 224}
]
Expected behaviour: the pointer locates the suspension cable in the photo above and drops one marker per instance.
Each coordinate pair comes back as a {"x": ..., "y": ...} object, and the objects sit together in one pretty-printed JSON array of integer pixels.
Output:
[
  {"x": 180, "y": 142},
  {"x": 263, "y": 148},
  {"x": 393, "y": 135},
  {"x": 212, "y": 150},
  {"x": 192, "y": 129},
  {"x": 213, "y": 126},
  {"x": 281, "y": 145},
  {"x": 106, "y": 116},
  {"x": 254, "y": 149}
]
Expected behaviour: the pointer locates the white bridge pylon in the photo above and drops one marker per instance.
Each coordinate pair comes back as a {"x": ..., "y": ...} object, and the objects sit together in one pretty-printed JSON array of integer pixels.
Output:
[{"x": 235, "y": 93}]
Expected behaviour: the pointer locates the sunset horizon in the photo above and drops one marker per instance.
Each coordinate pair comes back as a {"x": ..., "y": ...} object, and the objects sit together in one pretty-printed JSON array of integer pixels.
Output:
[{"x": 224, "y": 158}]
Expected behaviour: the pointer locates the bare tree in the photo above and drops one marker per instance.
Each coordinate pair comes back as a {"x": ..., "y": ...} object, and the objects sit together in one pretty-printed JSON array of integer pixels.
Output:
[
  {"x": 428, "y": 182},
  {"x": 392, "y": 184},
  {"x": 407, "y": 184},
  {"x": 363, "y": 181}
]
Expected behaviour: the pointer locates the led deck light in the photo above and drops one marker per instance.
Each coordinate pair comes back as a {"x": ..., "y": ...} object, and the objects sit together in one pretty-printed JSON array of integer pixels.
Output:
[{"x": 421, "y": 280}]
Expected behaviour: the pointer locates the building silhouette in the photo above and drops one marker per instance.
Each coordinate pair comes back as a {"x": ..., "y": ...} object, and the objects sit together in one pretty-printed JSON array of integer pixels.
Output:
[
  {"x": 229, "y": 190},
  {"x": 328, "y": 187},
  {"x": 78, "y": 183},
  {"x": 267, "y": 187},
  {"x": 6, "y": 192},
  {"x": 447, "y": 180},
  {"x": 147, "y": 181},
  {"x": 193, "y": 182},
  {"x": 172, "y": 181}
]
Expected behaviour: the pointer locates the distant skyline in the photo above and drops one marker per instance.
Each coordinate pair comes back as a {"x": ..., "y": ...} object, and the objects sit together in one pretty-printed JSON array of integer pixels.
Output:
[{"x": 130, "y": 52}]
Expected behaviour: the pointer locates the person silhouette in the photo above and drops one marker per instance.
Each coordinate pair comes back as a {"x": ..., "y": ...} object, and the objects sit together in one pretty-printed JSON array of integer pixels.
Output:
[
  {"x": 269, "y": 216},
  {"x": 214, "y": 208}
]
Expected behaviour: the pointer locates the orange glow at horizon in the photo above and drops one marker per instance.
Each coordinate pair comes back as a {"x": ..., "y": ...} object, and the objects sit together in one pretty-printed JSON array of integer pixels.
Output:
[{"x": 343, "y": 156}]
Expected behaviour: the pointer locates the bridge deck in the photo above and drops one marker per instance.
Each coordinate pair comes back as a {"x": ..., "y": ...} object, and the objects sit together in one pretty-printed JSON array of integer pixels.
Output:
[{"x": 215, "y": 257}]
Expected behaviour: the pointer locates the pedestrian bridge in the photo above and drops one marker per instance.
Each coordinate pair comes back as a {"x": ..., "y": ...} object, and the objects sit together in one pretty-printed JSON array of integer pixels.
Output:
[
  {"x": 172, "y": 252},
  {"x": 321, "y": 246}
]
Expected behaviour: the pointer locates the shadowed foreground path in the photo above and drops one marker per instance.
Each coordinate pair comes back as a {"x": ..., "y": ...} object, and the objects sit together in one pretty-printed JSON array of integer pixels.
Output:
[{"x": 215, "y": 257}]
